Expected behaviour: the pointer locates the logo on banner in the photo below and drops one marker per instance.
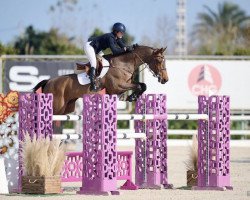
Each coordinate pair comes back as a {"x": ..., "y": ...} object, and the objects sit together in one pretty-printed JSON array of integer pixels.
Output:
[
  {"x": 204, "y": 80},
  {"x": 24, "y": 78}
]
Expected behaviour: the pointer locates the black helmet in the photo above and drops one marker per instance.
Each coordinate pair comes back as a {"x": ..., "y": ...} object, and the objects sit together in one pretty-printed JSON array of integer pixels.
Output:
[{"x": 119, "y": 27}]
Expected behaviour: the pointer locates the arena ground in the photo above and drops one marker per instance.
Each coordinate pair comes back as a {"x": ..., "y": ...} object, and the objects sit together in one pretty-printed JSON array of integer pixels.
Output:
[{"x": 240, "y": 178}]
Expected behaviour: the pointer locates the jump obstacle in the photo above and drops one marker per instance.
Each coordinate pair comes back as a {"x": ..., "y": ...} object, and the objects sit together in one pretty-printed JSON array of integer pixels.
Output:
[{"x": 102, "y": 165}]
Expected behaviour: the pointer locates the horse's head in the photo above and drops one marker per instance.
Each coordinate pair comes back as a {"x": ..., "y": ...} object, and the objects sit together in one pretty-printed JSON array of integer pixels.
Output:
[{"x": 157, "y": 65}]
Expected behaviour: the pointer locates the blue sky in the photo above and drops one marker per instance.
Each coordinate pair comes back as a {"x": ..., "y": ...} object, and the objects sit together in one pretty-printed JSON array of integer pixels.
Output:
[{"x": 140, "y": 16}]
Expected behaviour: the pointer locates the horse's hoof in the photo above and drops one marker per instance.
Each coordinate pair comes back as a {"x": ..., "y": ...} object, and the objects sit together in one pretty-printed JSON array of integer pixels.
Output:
[{"x": 131, "y": 98}]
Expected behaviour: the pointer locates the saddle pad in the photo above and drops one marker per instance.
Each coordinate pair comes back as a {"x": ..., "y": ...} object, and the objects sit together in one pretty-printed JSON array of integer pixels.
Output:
[{"x": 83, "y": 78}]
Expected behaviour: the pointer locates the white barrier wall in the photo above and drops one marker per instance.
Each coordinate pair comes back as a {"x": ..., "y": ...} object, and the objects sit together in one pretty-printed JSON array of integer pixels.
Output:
[
  {"x": 189, "y": 78},
  {"x": 227, "y": 77}
]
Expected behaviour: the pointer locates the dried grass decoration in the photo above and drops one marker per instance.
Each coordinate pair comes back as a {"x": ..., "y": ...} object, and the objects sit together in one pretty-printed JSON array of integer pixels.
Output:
[
  {"x": 43, "y": 160},
  {"x": 192, "y": 163}
]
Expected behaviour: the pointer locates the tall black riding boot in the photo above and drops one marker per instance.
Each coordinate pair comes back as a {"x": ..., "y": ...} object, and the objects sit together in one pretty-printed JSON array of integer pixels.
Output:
[{"x": 92, "y": 79}]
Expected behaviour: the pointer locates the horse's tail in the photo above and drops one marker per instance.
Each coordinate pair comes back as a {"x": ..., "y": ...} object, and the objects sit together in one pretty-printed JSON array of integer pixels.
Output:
[{"x": 40, "y": 84}]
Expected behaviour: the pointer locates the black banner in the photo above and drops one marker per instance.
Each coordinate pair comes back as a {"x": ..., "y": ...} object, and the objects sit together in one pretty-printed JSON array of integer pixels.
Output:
[{"x": 22, "y": 76}]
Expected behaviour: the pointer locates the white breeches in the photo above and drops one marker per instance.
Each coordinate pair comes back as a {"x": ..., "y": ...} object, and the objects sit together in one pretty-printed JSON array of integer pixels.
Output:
[{"x": 90, "y": 53}]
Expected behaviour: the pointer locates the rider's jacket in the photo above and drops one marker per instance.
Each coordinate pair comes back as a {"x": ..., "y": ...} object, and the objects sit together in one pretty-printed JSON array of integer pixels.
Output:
[{"x": 105, "y": 41}]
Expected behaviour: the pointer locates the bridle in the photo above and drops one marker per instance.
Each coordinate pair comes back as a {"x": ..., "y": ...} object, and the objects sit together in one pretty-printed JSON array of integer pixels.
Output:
[{"x": 147, "y": 66}]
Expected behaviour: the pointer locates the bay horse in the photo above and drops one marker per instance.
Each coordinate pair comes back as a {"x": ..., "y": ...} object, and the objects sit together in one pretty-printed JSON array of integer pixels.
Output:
[{"x": 66, "y": 89}]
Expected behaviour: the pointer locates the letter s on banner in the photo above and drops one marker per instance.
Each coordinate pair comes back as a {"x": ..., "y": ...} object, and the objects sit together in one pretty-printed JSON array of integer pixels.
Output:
[{"x": 23, "y": 78}]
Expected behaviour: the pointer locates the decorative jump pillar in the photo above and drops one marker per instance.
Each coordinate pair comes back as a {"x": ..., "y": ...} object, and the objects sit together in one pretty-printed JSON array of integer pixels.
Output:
[
  {"x": 99, "y": 145},
  {"x": 213, "y": 144},
  {"x": 151, "y": 154},
  {"x": 35, "y": 118},
  {"x": 35, "y": 115}
]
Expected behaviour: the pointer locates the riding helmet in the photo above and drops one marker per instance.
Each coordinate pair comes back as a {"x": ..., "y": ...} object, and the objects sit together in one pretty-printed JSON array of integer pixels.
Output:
[{"x": 119, "y": 27}]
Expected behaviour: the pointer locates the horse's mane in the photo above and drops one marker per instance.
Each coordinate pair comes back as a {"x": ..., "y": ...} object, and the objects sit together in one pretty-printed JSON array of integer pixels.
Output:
[{"x": 138, "y": 47}]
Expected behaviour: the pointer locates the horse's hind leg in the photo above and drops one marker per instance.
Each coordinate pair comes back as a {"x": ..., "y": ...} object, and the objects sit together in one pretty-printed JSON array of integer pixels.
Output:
[
  {"x": 58, "y": 105},
  {"x": 70, "y": 107},
  {"x": 58, "y": 99}
]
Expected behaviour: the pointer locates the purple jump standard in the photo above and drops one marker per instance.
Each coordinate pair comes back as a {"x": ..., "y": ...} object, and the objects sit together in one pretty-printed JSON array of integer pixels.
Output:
[
  {"x": 151, "y": 154},
  {"x": 99, "y": 145},
  {"x": 35, "y": 117},
  {"x": 213, "y": 144}
]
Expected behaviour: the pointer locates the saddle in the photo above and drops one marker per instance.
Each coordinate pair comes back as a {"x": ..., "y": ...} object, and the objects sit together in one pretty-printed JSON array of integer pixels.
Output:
[{"x": 82, "y": 67}]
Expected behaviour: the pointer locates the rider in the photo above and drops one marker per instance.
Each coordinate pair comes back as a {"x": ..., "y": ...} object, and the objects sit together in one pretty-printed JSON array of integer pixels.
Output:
[{"x": 95, "y": 45}]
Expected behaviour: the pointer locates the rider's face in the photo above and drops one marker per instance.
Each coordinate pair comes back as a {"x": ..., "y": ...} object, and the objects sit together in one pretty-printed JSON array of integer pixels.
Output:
[{"x": 119, "y": 34}]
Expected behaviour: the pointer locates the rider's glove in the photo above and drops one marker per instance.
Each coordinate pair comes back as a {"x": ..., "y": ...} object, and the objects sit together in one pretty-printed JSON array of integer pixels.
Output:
[{"x": 129, "y": 48}]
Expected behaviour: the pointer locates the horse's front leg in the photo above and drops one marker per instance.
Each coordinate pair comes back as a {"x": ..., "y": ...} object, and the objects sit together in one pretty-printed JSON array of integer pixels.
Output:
[
  {"x": 124, "y": 87},
  {"x": 137, "y": 92},
  {"x": 138, "y": 89},
  {"x": 143, "y": 88}
]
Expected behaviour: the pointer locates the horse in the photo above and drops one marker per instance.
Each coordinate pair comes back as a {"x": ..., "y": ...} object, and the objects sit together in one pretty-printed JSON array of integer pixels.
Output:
[{"x": 66, "y": 89}]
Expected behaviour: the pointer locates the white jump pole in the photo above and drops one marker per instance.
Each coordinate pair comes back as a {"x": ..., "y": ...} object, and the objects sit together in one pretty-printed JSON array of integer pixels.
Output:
[
  {"x": 141, "y": 117},
  {"x": 67, "y": 117},
  {"x": 137, "y": 117},
  {"x": 67, "y": 136},
  {"x": 187, "y": 116},
  {"x": 119, "y": 117},
  {"x": 123, "y": 135}
]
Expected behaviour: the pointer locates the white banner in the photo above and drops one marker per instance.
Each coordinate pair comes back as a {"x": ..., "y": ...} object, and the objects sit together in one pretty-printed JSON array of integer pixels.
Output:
[{"x": 189, "y": 78}]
